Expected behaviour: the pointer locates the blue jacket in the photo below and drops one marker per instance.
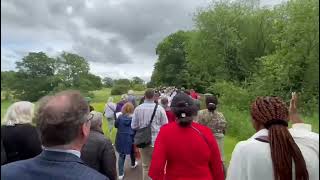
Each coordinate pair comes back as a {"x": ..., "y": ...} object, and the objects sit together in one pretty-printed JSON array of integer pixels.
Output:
[
  {"x": 50, "y": 165},
  {"x": 125, "y": 134}
]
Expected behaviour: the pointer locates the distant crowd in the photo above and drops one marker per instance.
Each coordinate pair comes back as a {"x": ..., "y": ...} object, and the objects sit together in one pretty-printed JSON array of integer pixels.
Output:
[{"x": 165, "y": 132}]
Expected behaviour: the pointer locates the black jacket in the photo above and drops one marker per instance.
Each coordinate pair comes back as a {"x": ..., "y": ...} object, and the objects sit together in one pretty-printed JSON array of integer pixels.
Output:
[
  {"x": 98, "y": 153},
  {"x": 20, "y": 142}
]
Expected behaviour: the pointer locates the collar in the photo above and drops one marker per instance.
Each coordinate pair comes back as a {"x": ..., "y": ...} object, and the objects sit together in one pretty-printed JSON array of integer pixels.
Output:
[
  {"x": 262, "y": 132},
  {"x": 70, "y": 151},
  {"x": 148, "y": 101},
  {"x": 95, "y": 129}
]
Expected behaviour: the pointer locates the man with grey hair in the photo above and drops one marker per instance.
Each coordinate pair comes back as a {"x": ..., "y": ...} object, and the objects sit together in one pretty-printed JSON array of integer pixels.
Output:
[
  {"x": 98, "y": 152},
  {"x": 64, "y": 126},
  {"x": 132, "y": 98}
]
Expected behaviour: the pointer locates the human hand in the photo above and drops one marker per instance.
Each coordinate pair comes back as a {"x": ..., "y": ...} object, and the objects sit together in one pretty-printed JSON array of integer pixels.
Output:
[{"x": 293, "y": 112}]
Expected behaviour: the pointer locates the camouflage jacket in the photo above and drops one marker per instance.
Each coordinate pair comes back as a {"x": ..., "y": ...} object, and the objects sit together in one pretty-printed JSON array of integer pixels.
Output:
[{"x": 215, "y": 121}]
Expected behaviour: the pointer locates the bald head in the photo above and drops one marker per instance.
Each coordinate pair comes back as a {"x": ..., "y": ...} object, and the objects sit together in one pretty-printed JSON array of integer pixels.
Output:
[{"x": 60, "y": 116}]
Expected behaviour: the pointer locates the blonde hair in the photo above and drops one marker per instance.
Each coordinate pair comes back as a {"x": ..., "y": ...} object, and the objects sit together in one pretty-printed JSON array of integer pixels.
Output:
[
  {"x": 127, "y": 108},
  {"x": 19, "y": 113},
  {"x": 124, "y": 96}
]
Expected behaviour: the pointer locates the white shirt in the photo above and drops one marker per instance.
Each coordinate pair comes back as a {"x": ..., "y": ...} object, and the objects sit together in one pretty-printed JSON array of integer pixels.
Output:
[
  {"x": 109, "y": 109},
  {"x": 75, "y": 152},
  {"x": 142, "y": 116},
  {"x": 251, "y": 159}
]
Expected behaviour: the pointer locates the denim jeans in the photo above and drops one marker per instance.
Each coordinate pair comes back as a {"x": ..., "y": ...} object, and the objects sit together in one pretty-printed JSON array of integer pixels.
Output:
[{"x": 121, "y": 161}]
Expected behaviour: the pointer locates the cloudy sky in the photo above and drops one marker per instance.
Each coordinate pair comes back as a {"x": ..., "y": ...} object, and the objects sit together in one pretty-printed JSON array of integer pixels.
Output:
[{"x": 117, "y": 37}]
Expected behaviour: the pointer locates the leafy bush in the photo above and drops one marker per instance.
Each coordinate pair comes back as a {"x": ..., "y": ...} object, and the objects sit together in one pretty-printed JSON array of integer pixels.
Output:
[
  {"x": 139, "y": 87},
  {"x": 232, "y": 95},
  {"x": 119, "y": 89}
]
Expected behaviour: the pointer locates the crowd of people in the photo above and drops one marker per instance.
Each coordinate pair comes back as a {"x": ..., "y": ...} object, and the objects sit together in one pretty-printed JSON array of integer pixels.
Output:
[{"x": 166, "y": 130}]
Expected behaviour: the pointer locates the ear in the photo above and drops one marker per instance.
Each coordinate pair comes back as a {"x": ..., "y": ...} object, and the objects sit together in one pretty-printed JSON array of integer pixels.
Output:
[{"x": 85, "y": 129}]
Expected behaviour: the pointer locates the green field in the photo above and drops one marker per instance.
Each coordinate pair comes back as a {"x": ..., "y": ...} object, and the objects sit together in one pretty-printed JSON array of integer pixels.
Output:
[{"x": 239, "y": 126}]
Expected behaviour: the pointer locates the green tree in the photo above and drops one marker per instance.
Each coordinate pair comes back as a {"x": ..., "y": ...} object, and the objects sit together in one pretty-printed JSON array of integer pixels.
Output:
[
  {"x": 107, "y": 82},
  {"x": 35, "y": 76}
]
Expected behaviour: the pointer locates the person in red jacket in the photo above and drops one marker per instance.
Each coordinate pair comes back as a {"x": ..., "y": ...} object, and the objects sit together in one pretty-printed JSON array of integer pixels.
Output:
[
  {"x": 170, "y": 115},
  {"x": 185, "y": 150}
]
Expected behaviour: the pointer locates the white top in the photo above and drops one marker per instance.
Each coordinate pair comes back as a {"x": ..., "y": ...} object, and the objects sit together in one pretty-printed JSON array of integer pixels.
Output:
[
  {"x": 71, "y": 151},
  {"x": 251, "y": 159},
  {"x": 142, "y": 116},
  {"x": 109, "y": 109}
]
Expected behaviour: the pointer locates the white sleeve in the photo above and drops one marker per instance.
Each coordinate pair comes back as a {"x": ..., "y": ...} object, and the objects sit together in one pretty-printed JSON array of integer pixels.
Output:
[
  {"x": 302, "y": 126},
  {"x": 237, "y": 169}
]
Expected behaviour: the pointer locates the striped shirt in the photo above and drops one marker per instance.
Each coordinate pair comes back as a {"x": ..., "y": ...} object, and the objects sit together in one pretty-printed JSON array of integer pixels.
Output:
[{"x": 142, "y": 116}]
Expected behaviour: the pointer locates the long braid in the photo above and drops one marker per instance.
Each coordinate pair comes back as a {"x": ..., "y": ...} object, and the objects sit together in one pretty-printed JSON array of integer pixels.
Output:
[{"x": 283, "y": 148}]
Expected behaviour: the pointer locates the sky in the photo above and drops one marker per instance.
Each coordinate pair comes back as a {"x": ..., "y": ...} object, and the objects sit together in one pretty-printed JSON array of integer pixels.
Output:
[{"x": 117, "y": 37}]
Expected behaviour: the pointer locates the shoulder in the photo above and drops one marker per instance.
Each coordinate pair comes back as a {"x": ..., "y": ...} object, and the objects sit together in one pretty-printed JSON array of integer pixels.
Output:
[
  {"x": 89, "y": 173},
  {"x": 251, "y": 149}
]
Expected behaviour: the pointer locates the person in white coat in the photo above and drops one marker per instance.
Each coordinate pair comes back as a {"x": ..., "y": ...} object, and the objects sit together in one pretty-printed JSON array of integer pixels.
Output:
[{"x": 276, "y": 152}]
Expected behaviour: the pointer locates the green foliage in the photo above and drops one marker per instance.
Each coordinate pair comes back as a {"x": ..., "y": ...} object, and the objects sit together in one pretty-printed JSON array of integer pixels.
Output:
[
  {"x": 264, "y": 51},
  {"x": 39, "y": 75},
  {"x": 119, "y": 89},
  {"x": 231, "y": 95},
  {"x": 107, "y": 82}
]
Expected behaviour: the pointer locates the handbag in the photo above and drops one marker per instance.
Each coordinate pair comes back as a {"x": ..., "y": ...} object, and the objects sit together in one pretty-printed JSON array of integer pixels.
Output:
[{"x": 143, "y": 136}]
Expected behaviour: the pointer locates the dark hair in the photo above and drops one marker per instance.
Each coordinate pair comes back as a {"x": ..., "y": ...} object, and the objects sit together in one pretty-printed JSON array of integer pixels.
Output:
[
  {"x": 283, "y": 147},
  {"x": 141, "y": 100},
  {"x": 184, "y": 109},
  {"x": 211, "y": 103},
  {"x": 187, "y": 92},
  {"x": 164, "y": 101},
  {"x": 60, "y": 117},
  {"x": 149, "y": 94},
  {"x": 91, "y": 108}
]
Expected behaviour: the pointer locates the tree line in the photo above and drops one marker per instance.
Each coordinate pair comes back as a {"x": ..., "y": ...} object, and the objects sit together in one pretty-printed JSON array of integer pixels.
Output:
[
  {"x": 239, "y": 50},
  {"x": 38, "y": 75}
]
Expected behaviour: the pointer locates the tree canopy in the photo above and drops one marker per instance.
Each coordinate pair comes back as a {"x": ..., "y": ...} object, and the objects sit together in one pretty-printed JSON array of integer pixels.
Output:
[{"x": 260, "y": 50}]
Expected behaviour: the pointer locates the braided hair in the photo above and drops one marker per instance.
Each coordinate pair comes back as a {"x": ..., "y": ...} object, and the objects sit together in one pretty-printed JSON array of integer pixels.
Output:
[{"x": 266, "y": 111}]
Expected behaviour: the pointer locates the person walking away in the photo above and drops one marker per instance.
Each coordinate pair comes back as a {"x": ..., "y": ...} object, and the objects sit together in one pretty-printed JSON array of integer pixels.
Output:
[
  {"x": 142, "y": 116},
  {"x": 132, "y": 98},
  {"x": 110, "y": 113},
  {"x": 124, "y": 138},
  {"x": 184, "y": 149},
  {"x": 215, "y": 120},
  {"x": 64, "y": 124},
  {"x": 275, "y": 152},
  {"x": 98, "y": 152},
  {"x": 124, "y": 99},
  {"x": 20, "y": 138},
  {"x": 170, "y": 115}
]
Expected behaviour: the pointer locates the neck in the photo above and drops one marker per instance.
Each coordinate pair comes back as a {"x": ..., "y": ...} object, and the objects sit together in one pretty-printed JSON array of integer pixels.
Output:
[{"x": 66, "y": 147}]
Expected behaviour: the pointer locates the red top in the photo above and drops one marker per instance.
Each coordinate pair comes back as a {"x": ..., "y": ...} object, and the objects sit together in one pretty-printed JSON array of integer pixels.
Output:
[
  {"x": 180, "y": 153},
  {"x": 170, "y": 115},
  {"x": 194, "y": 95}
]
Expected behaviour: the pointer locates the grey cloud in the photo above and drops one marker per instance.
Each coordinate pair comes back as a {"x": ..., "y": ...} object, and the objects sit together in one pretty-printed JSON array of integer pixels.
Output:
[
  {"x": 96, "y": 50},
  {"x": 112, "y": 31}
]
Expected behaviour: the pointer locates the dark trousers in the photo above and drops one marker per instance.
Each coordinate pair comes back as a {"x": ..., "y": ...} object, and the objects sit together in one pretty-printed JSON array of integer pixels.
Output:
[{"x": 121, "y": 161}]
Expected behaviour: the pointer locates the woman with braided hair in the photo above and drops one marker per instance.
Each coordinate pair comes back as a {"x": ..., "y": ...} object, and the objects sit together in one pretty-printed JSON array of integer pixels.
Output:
[{"x": 276, "y": 152}]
